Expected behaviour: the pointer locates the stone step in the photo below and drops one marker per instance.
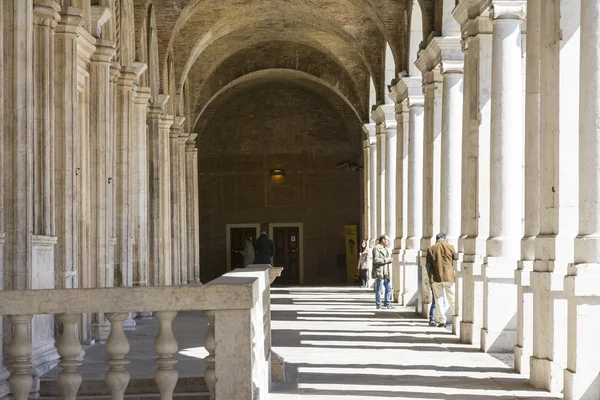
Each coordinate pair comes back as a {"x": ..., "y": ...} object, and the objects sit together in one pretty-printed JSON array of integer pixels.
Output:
[{"x": 186, "y": 386}]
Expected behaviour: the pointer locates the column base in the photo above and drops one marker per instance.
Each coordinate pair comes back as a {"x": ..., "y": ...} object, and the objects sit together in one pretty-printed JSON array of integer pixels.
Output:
[
  {"x": 467, "y": 333},
  {"x": 546, "y": 374},
  {"x": 581, "y": 386},
  {"x": 499, "y": 331},
  {"x": 522, "y": 359}
]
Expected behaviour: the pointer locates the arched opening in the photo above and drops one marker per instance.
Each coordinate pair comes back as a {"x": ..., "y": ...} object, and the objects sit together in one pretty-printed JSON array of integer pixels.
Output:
[{"x": 415, "y": 38}]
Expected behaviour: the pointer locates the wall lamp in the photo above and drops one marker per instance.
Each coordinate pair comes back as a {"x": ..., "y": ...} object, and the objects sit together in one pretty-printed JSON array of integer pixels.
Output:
[{"x": 277, "y": 172}]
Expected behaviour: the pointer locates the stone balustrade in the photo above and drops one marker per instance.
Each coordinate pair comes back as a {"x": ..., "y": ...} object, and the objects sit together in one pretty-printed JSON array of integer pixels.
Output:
[{"x": 238, "y": 339}]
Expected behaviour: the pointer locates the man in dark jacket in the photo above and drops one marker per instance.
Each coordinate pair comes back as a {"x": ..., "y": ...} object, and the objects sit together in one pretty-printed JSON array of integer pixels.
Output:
[
  {"x": 265, "y": 249},
  {"x": 440, "y": 269}
]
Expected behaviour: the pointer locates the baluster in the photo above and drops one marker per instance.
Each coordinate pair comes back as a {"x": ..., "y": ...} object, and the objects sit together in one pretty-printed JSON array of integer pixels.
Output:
[
  {"x": 69, "y": 348},
  {"x": 117, "y": 347},
  {"x": 19, "y": 353},
  {"x": 165, "y": 347},
  {"x": 210, "y": 345}
]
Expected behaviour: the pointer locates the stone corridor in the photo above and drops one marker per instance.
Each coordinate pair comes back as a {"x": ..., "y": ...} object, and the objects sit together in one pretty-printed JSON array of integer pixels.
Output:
[{"x": 337, "y": 346}]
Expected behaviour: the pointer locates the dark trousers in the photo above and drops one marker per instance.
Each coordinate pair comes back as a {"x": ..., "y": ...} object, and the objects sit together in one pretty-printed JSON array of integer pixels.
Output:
[
  {"x": 432, "y": 309},
  {"x": 364, "y": 277}
]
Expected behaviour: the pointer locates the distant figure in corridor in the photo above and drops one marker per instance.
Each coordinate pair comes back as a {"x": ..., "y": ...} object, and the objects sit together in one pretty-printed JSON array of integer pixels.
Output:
[
  {"x": 440, "y": 270},
  {"x": 265, "y": 249},
  {"x": 363, "y": 264},
  {"x": 248, "y": 252},
  {"x": 381, "y": 271}
]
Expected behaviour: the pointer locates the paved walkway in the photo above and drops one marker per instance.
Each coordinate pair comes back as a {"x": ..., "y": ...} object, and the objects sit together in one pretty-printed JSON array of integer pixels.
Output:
[{"x": 337, "y": 346}]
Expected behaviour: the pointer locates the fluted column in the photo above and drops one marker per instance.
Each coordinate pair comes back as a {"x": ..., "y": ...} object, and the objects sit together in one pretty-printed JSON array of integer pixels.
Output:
[
  {"x": 102, "y": 185},
  {"x": 193, "y": 216},
  {"x": 582, "y": 285},
  {"x": 181, "y": 184},
  {"x": 452, "y": 107},
  {"x": 411, "y": 89},
  {"x": 372, "y": 184},
  {"x": 140, "y": 188},
  {"x": 66, "y": 119},
  {"x": 381, "y": 173},
  {"x": 165, "y": 263},
  {"x": 506, "y": 180},
  {"x": 175, "y": 200},
  {"x": 477, "y": 46}
]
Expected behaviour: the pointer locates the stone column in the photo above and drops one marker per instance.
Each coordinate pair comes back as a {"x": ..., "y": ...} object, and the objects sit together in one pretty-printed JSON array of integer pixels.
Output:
[
  {"x": 451, "y": 149},
  {"x": 432, "y": 89},
  {"x": 366, "y": 234},
  {"x": 373, "y": 184},
  {"x": 175, "y": 172},
  {"x": 476, "y": 166},
  {"x": 582, "y": 285},
  {"x": 140, "y": 188},
  {"x": 381, "y": 173},
  {"x": 192, "y": 234},
  {"x": 452, "y": 107},
  {"x": 523, "y": 348},
  {"x": 101, "y": 138},
  {"x": 411, "y": 89},
  {"x": 4, "y": 373},
  {"x": 165, "y": 273},
  {"x": 66, "y": 119},
  {"x": 558, "y": 155},
  {"x": 155, "y": 224},
  {"x": 506, "y": 180},
  {"x": 181, "y": 183}
]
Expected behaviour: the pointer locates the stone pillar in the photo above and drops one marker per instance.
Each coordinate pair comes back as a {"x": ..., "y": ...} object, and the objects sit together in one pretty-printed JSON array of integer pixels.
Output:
[
  {"x": 381, "y": 173},
  {"x": 523, "y": 348},
  {"x": 125, "y": 179},
  {"x": 366, "y": 234},
  {"x": 558, "y": 155},
  {"x": 476, "y": 165},
  {"x": 139, "y": 185},
  {"x": 432, "y": 89},
  {"x": 498, "y": 333},
  {"x": 165, "y": 273},
  {"x": 193, "y": 217},
  {"x": 176, "y": 260},
  {"x": 183, "y": 231},
  {"x": 101, "y": 140},
  {"x": 582, "y": 285},
  {"x": 411, "y": 89},
  {"x": 451, "y": 149},
  {"x": 373, "y": 184},
  {"x": 66, "y": 119},
  {"x": 4, "y": 373}
]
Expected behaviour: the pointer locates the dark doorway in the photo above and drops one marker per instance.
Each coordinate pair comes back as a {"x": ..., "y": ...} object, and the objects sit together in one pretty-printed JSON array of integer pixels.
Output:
[
  {"x": 237, "y": 242},
  {"x": 287, "y": 254}
]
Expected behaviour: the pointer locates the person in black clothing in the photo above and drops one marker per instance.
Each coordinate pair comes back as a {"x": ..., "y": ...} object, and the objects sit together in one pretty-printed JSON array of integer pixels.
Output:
[{"x": 265, "y": 249}]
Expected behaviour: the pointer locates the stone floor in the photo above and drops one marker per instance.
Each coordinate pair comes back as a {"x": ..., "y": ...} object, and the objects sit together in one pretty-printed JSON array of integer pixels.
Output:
[{"x": 337, "y": 346}]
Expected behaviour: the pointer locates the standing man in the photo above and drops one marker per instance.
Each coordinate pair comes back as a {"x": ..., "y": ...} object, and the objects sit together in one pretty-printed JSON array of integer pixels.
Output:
[
  {"x": 265, "y": 249},
  {"x": 381, "y": 271},
  {"x": 440, "y": 269}
]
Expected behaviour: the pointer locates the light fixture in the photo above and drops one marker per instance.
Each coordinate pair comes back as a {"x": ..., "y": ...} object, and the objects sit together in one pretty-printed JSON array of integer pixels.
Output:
[{"x": 277, "y": 172}]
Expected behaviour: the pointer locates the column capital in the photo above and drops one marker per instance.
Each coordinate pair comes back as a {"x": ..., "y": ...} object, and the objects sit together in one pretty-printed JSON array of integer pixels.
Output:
[
  {"x": 100, "y": 15},
  {"x": 384, "y": 115},
  {"x": 165, "y": 122},
  {"x": 142, "y": 95},
  {"x": 452, "y": 67},
  {"x": 128, "y": 75},
  {"x": 177, "y": 127},
  {"x": 409, "y": 88},
  {"x": 190, "y": 145},
  {"x": 157, "y": 107},
  {"x": 45, "y": 13},
  {"x": 369, "y": 130},
  {"x": 105, "y": 51},
  {"x": 508, "y": 10},
  {"x": 70, "y": 20}
]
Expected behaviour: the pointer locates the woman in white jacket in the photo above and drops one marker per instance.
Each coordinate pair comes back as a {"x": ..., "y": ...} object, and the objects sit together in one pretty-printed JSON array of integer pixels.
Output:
[{"x": 248, "y": 253}]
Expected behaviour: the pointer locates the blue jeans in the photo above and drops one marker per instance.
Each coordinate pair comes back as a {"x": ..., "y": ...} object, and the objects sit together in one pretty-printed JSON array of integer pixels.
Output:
[
  {"x": 388, "y": 291},
  {"x": 432, "y": 309}
]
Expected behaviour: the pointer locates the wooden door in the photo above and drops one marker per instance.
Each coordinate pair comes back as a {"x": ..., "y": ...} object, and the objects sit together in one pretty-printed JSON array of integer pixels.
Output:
[
  {"x": 287, "y": 254},
  {"x": 237, "y": 242}
]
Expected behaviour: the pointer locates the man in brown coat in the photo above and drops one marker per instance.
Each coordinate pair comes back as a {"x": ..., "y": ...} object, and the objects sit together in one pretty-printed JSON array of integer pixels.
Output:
[{"x": 440, "y": 269}]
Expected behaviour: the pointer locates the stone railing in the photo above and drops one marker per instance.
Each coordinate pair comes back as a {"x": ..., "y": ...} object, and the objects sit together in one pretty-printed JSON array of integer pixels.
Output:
[{"x": 237, "y": 339}]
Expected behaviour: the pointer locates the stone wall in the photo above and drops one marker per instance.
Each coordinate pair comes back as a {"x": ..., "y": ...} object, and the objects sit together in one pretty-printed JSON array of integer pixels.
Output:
[{"x": 277, "y": 125}]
